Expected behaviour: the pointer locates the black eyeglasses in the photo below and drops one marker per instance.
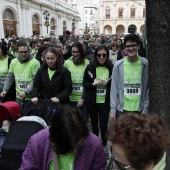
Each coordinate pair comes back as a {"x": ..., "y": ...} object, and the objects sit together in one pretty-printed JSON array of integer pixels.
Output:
[
  {"x": 101, "y": 55},
  {"x": 119, "y": 165},
  {"x": 23, "y": 52},
  {"x": 132, "y": 45},
  {"x": 80, "y": 144},
  {"x": 114, "y": 45}
]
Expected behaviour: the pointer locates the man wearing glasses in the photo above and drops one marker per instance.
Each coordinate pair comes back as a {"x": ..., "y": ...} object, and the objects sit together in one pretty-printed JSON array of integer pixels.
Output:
[
  {"x": 129, "y": 88},
  {"x": 22, "y": 70}
]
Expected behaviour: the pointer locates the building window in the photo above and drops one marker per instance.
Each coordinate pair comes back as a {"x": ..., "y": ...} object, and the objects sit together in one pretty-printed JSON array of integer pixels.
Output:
[
  {"x": 132, "y": 13},
  {"x": 85, "y": 11},
  {"x": 91, "y": 12},
  {"x": 144, "y": 13},
  {"x": 107, "y": 13},
  {"x": 120, "y": 13}
]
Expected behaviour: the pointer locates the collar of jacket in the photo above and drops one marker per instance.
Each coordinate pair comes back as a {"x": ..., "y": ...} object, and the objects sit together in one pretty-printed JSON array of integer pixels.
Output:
[{"x": 30, "y": 57}]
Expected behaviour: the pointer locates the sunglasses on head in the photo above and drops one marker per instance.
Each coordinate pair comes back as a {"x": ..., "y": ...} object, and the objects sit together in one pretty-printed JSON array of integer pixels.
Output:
[{"x": 101, "y": 55}]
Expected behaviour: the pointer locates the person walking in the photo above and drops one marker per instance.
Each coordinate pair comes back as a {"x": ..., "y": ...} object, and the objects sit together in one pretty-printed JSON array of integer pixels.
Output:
[
  {"x": 129, "y": 87},
  {"x": 22, "y": 70},
  {"x": 97, "y": 81}
]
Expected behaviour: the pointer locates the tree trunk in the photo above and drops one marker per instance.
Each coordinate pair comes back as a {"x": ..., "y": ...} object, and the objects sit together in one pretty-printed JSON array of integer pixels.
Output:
[{"x": 158, "y": 38}]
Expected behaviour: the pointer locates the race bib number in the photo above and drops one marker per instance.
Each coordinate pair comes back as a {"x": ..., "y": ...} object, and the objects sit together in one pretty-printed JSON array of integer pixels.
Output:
[
  {"x": 132, "y": 90},
  {"x": 23, "y": 85},
  {"x": 77, "y": 88},
  {"x": 101, "y": 91}
]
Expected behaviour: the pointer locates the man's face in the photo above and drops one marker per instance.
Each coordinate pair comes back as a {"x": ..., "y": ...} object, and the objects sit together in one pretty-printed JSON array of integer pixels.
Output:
[
  {"x": 59, "y": 48},
  {"x": 132, "y": 48},
  {"x": 23, "y": 53},
  {"x": 67, "y": 35},
  {"x": 46, "y": 43}
]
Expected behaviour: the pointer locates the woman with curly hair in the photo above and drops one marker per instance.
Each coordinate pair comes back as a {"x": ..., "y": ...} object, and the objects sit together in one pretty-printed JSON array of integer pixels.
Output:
[{"x": 139, "y": 142}]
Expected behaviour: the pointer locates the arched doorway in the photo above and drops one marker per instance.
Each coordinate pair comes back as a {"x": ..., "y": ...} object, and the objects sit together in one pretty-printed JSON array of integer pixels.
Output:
[
  {"x": 108, "y": 29},
  {"x": 120, "y": 29},
  {"x": 64, "y": 27},
  {"x": 132, "y": 29},
  {"x": 35, "y": 25},
  {"x": 9, "y": 23},
  {"x": 142, "y": 29}
]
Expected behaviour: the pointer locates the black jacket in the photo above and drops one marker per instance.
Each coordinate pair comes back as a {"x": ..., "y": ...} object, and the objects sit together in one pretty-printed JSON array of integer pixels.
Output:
[
  {"x": 60, "y": 85},
  {"x": 89, "y": 76}
]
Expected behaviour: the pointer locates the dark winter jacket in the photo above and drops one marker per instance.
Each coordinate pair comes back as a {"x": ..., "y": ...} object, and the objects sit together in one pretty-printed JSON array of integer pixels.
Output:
[
  {"x": 60, "y": 85},
  {"x": 89, "y": 77},
  {"x": 89, "y": 54}
]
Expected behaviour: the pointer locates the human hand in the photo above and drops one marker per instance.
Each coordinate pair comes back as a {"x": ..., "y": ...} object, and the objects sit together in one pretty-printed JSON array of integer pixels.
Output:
[
  {"x": 55, "y": 100},
  {"x": 34, "y": 100},
  {"x": 112, "y": 116},
  {"x": 22, "y": 95},
  {"x": 3, "y": 94},
  {"x": 104, "y": 82},
  {"x": 80, "y": 103},
  {"x": 97, "y": 82}
]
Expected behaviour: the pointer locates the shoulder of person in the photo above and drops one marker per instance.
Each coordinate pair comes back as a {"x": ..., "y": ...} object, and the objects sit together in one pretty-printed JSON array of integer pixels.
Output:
[
  {"x": 144, "y": 60},
  {"x": 119, "y": 62}
]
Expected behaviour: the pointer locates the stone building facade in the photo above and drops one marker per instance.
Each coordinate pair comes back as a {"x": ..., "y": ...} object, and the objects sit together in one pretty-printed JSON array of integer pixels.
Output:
[
  {"x": 122, "y": 16},
  {"x": 25, "y": 17}
]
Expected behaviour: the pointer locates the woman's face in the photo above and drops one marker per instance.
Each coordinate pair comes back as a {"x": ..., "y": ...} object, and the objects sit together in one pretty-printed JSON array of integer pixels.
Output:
[
  {"x": 101, "y": 56},
  {"x": 114, "y": 47},
  {"x": 51, "y": 59},
  {"x": 121, "y": 159},
  {"x": 75, "y": 53}
]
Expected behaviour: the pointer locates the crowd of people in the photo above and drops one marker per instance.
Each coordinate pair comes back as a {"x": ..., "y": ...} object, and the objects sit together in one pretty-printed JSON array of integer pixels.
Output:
[{"x": 98, "y": 77}]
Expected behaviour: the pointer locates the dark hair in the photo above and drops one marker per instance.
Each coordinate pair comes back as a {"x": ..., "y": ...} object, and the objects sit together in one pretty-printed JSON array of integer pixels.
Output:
[
  {"x": 41, "y": 49},
  {"x": 31, "y": 43},
  {"x": 144, "y": 138},
  {"x": 67, "y": 32},
  {"x": 79, "y": 46},
  {"x": 22, "y": 43},
  {"x": 67, "y": 129},
  {"x": 46, "y": 39},
  {"x": 13, "y": 41},
  {"x": 85, "y": 43},
  {"x": 4, "y": 49},
  {"x": 131, "y": 37},
  {"x": 95, "y": 61},
  {"x": 51, "y": 50}
]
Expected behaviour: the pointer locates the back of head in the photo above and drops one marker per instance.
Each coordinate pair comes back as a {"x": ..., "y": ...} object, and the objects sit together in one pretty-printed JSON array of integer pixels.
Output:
[
  {"x": 144, "y": 138},
  {"x": 67, "y": 128},
  {"x": 67, "y": 32}
]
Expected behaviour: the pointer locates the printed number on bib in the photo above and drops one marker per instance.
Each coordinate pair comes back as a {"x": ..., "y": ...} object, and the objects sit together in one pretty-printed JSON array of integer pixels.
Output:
[
  {"x": 23, "y": 85},
  {"x": 101, "y": 91},
  {"x": 132, "y": 90},
  {"x": 77, "y": 88}
]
